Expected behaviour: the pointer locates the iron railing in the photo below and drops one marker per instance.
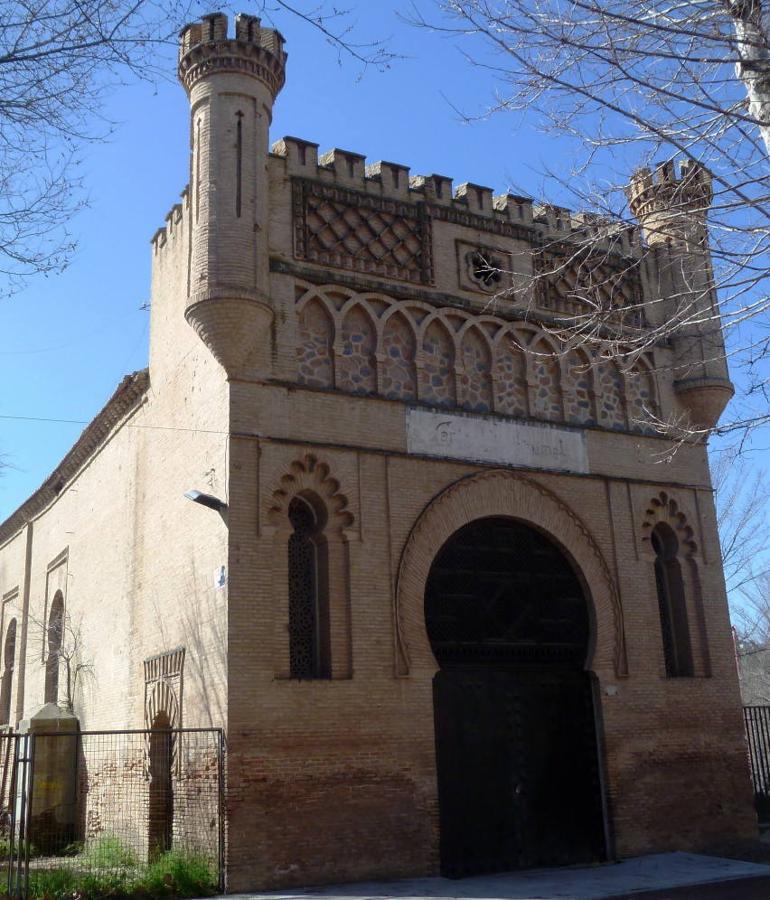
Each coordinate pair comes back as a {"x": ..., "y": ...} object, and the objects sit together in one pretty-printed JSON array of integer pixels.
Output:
[{"x": 757, "y": 723}]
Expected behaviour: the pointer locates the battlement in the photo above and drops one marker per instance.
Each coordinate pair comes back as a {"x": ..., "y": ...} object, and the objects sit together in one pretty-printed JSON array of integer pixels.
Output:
[
  {"x": 204, "y": 47},
  {"x": 661, "y": 191},
  {"x": 382, "y": 179},
  {"x": 175, "y": 218},
  {"x": 348, "y": 169}
]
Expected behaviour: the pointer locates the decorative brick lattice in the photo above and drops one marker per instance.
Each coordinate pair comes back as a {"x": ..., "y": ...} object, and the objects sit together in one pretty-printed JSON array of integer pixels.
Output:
[
  {"x": 585, "y": 285},
  {"x": 339, "y": 227},
  {"x": 303, "y": 591}
]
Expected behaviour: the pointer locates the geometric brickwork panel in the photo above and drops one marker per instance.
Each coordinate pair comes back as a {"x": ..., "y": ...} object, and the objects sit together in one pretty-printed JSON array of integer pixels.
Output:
[
  {"x": 577, "y": 282},
  {"x": 338, "y": 227}
]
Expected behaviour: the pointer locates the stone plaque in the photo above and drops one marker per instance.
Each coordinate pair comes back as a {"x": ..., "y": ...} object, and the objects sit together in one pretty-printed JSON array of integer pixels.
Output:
[{"x": 482, "y": 439}]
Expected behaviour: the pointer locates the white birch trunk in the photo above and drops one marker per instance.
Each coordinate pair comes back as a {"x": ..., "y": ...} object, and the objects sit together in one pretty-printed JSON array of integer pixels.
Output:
[{"x": 754, "y": 68}]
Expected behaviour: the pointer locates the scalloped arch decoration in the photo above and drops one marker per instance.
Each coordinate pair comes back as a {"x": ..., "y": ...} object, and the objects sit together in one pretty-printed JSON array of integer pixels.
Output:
[
  {"x": 664, "y": 508},
  {"x": 310, "y": 475},
  {"x": 501, "y": 493}
]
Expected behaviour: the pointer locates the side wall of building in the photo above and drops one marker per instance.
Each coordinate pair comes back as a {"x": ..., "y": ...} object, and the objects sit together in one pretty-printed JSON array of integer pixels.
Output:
[{"x": 141, "y": 570}]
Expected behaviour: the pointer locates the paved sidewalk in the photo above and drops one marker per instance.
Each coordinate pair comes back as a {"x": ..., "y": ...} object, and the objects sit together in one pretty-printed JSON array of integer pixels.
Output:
[{"x": 658, "y": 877}]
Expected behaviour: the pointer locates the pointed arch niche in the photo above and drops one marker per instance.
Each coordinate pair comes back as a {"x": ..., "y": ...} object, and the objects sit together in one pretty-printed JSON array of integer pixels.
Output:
[
  {"x": 672, "y": 555},
  {"x": 310, "y": 523}
]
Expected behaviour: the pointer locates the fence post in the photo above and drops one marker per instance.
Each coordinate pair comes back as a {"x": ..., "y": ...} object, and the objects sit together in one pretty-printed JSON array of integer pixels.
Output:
[{"x": 222, "y": 850}]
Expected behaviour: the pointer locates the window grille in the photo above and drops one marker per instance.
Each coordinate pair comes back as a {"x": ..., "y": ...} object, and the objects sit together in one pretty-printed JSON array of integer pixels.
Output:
[
  {"x": 308, "y": 601},
  {"x": 672, "y": 604}
]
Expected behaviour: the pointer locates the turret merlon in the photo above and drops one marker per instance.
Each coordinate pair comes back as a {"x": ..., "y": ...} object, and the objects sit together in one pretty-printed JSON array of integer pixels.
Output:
[
  {"x": 478, "y": 197},
  {"x": 204, "y": 47},
  {"x": 671, "y": 208}
]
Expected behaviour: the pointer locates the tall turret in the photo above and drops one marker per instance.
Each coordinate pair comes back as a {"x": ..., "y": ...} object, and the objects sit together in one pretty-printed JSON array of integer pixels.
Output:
[
  {"x": 232, "y": 85},
  {"x": 672, "y": 212}
]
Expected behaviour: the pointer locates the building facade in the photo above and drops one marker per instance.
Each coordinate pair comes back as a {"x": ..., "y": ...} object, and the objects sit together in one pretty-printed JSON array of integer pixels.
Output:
[{"x": 449, "y": 607}]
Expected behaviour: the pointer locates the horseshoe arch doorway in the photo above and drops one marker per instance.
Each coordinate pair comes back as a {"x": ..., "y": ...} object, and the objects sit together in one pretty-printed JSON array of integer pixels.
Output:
[{"x": 516, "y": 745}]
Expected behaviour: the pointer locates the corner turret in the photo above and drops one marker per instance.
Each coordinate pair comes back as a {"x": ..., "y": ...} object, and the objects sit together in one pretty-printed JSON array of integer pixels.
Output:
[
  {"x": 232, "y": 84},
  {"x": 672, "y": 212}
]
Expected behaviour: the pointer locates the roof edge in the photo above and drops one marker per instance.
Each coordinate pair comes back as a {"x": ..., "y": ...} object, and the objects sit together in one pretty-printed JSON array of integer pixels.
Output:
[{"x": 127, "y": 396}]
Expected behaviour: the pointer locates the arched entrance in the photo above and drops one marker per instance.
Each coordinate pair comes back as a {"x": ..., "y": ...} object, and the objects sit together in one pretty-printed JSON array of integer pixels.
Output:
[{"x": 518, "y": 775}]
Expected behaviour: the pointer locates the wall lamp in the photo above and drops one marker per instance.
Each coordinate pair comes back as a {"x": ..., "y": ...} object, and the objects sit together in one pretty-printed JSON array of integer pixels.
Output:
[{"x": 209, "y": 501}]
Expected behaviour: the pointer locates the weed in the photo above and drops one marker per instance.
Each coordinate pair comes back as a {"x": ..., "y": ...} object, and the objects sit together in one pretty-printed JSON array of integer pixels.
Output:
[{"x": 175, "y": 874}]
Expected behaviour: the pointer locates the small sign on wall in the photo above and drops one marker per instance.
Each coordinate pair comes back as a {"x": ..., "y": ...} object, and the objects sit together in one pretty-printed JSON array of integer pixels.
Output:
[{"x": 481, "y": 439}]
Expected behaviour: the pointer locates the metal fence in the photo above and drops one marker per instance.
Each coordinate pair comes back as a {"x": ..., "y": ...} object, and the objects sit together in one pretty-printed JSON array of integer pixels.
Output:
[
  {"x": 757, "y": 722},
  {"x": 118, "y": 808}
]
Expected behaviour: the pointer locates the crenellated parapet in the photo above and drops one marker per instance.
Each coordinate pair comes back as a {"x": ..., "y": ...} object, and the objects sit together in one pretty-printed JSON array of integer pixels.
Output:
[
  {"x": 175, "y": 221},
  {"x": 204, "y": 48},
  {"x": 671, "y": 207},
  {"x": 469, "y": 205}
]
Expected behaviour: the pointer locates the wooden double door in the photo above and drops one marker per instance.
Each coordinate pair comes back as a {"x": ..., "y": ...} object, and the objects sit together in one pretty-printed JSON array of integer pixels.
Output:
[
  {"x": 516, "y": 737},
  {"x": 517, "y": 769}
]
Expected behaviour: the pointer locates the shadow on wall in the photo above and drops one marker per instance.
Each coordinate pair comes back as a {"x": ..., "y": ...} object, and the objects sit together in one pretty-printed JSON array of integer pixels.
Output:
[{"x": 201, "y": 627}]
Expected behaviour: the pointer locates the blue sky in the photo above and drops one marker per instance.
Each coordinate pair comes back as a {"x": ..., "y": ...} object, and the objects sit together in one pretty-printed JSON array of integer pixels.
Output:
[{"x": 70, "y": 338}]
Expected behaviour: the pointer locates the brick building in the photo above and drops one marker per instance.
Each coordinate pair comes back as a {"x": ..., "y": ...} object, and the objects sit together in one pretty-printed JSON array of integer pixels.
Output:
[{"x": 450, "y": 609}]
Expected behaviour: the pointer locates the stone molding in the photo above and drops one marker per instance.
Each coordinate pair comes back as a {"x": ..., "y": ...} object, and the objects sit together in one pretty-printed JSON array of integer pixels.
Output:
[{"x": 499, "y": 493}]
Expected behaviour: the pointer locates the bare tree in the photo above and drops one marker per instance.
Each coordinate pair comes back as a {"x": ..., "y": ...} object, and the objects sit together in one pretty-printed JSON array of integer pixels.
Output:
[
  {"x": 339, "y": 30},
  {"x": 625, "y": 82},
  {"x": 77, "y": 665},
  {"x": 742, "y": 501},
  {"x": 58, "y": 60},
  {"x": 63, "y": 648}
]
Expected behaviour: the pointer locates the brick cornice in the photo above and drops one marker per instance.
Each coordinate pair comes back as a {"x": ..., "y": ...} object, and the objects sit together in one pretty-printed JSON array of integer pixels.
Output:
[{"x": 127, "y": 397}]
